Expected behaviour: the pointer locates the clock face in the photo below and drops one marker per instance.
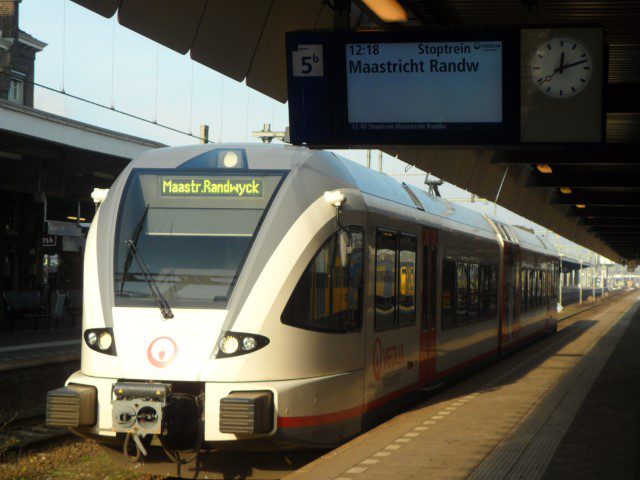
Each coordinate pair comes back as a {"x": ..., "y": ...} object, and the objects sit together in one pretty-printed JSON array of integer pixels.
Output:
[{"x": 561, "y": 67}]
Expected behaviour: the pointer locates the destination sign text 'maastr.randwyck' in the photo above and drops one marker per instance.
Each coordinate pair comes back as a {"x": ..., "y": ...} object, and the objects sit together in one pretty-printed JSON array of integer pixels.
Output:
[{"x": 210, "y": 187}]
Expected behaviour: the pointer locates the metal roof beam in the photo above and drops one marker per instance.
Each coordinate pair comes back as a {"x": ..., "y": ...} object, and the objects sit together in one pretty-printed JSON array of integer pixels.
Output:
[
  {"x": 623, "y": 97},
  {"x": 605, "y": 154},
  {"x": 577, "y": 179},
  {"x": 605, "y": 212},
  {"x": 602, "y": 199},
  {"x": 609, "y": 221},
  {"x": 623, "y": 232}
]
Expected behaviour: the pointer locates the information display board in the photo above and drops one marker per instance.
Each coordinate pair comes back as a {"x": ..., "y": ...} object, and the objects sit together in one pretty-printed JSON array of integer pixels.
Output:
[
  {"x": 423, "y": 85},
  {"x": 416, "y": 87},
  {"x": 403, "y": 87}
]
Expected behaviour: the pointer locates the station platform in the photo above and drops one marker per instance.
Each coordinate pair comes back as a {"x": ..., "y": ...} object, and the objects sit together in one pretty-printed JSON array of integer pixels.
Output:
[
  {"x": 40, "y": 347},
  {"x": 565, "y": 407}
]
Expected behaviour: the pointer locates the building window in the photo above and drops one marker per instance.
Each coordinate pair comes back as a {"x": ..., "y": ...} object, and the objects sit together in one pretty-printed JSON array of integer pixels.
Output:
[
  {"x": 16, "y": 91},
  {"x": 328, "y": 296},
  {"x": 10, "y": 207}
]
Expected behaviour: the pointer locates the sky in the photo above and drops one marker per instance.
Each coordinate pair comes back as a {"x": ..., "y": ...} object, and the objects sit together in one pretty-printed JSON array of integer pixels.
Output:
[{"x": 97, "y": 59}]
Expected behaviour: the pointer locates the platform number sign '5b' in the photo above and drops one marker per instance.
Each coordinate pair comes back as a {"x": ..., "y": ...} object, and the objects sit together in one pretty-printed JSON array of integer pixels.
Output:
[{"x": 307, "y": 61}]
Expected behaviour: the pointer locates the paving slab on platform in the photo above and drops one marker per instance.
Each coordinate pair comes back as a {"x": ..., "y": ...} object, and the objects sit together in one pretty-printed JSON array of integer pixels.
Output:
[{"x": 509, "y": 420}]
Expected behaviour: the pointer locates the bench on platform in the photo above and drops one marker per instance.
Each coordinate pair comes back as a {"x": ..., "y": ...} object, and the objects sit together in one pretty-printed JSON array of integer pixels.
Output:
[{"x": 23, "y": 305}]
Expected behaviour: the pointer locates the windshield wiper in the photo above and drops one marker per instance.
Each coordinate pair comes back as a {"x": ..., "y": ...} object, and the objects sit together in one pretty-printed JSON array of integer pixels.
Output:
[
  {"x": 165, "y": 309},
  {"x": 134, "y": 240}
]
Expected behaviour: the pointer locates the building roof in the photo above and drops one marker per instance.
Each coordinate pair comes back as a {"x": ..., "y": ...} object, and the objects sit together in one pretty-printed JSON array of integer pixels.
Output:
[
  {"x": 25, "y": 121},
  {"x": 31, "y": 41}
]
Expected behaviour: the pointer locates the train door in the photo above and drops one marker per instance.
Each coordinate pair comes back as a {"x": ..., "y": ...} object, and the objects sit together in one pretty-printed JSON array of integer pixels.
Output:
[
  {"x": 509, "y": 312},
  {"x": 429, "y": 297},
  {"x": 392, "y": 354}
]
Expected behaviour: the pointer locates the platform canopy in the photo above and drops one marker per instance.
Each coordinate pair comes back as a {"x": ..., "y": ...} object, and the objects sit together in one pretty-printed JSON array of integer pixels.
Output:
[
  {"x": 43, "y": 152},
  {"x": 244, "y": 40}
]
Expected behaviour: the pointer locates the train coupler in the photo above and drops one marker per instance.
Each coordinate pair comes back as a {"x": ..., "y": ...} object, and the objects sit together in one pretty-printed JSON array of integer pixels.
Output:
[{"x": 138, "y": 408}]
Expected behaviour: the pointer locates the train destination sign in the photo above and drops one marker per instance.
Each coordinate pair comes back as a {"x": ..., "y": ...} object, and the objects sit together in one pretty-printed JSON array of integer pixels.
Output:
[
  {"x": 418, "y": 87},
  {"x": 210, "y": 187},
  {"x": 402, "y": 87}
]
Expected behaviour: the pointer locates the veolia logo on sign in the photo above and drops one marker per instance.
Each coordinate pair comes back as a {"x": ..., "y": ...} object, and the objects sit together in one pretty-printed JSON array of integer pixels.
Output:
[
  {"x": 307, "y": 61},
  {"x": 386, "y": 357},
  {"x": 161, "y": 352}
]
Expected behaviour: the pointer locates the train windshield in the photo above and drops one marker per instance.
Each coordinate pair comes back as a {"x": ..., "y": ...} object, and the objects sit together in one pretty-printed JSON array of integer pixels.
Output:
[{"x": 192, "y": 232}]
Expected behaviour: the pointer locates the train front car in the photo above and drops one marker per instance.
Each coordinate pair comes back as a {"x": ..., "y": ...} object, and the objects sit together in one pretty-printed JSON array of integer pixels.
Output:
[{"x": 189, "y": 333}]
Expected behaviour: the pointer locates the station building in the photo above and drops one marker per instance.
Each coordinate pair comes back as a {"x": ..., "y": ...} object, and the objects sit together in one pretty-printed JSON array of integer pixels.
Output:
[{"x": 49, "y": 165}]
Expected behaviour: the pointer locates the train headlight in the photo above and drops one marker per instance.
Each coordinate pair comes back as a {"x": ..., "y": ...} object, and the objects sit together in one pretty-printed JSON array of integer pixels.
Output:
[
  {"x": 235, "y": 343},
  {"x": 92, "y": 338},
  {"x": 100, "y": 340},
  {"x": 229, "y": 345},
  {"x": 105, "y": 341},
  {"x": 249, "y": 343},
  {"x": 231, "y": 160}
]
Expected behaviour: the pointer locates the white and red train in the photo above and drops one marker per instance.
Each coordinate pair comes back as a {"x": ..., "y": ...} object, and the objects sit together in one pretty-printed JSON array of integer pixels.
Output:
[{"x": 254, "y": 296}]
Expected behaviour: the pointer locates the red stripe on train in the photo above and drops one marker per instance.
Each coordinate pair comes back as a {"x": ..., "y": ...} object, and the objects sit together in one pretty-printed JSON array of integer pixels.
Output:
[{"x": 342, "y": 415}]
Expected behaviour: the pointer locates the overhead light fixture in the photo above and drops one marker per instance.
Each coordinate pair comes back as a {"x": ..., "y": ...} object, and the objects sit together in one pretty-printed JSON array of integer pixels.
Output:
[
  {"x": 544, "y": 168},
  {"x": 81, "y": 219},
  {"x": 387, "y": 10},
  {"x": 580, "y": 205},
  {"x": 565, "y": 190}
]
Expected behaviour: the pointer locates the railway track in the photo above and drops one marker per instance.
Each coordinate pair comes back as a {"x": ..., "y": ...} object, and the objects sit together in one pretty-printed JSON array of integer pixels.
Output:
[{"x": 27, "y": 433}]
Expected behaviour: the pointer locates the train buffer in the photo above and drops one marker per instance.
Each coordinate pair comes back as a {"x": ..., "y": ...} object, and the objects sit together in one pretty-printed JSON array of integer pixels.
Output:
[{"x": 565, "y": 407}]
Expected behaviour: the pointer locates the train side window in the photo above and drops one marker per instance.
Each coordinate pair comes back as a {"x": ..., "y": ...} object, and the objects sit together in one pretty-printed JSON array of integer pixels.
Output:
[
  {"x": 523, "y": 290},
  {"x": 347, "y": 285},
  {"x": 547, "y": 285},
  {"x": 540, "y": 287},
  {"x": 328, "y": 296},
  {"x": 447, "y": 303},
  {"x": 530, "y": 289},
  {"x": 462, "y": 293},
  {"x": 484, "y": 295},
  {"x": 407, "y": 282},
  {"x": 386, "y": 278},
  {"x": 474, "y": 316},
  {"x": 494, "y": 290}
]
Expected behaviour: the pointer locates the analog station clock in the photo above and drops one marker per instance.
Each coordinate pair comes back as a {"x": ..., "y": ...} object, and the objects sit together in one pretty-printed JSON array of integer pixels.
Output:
[{"x": 561, "y": 67}]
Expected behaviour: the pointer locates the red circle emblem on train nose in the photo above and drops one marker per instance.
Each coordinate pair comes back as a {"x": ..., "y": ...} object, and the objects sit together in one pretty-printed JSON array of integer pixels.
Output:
[{"x": 161, "y": 352}]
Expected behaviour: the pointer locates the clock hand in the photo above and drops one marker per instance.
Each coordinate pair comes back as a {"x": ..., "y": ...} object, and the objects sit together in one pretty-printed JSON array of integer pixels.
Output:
[
  {"x": 569, "y": 65},
  {"x": 548, "y": 77},
  {"x": 561, "y": 67}
]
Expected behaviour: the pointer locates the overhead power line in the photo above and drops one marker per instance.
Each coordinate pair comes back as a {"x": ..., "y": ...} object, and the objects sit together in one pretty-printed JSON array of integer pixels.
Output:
[{"x": 106, "y": 107}]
